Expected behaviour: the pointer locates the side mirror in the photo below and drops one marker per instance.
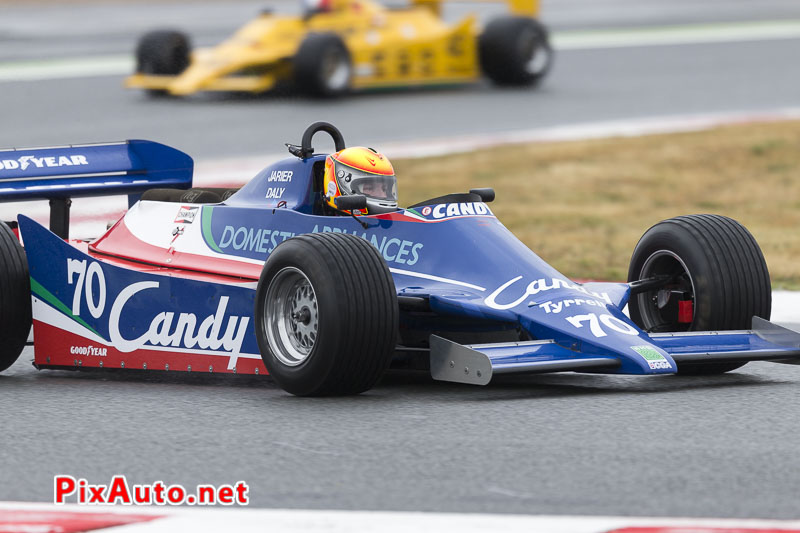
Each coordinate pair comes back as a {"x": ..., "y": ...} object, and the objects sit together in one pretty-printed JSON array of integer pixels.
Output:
[
  {"x": 349, "y": 203},
  {"x": 486, "y": 194}
]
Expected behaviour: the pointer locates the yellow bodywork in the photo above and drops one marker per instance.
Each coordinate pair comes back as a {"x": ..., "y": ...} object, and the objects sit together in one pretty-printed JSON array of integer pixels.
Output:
[{"x": 388, "y": 48}]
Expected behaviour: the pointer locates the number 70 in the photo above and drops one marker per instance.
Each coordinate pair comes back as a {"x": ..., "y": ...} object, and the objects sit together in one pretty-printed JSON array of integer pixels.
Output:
[
  {"x": 596, "y": 324},
  {"x": 86, "y": 278}
]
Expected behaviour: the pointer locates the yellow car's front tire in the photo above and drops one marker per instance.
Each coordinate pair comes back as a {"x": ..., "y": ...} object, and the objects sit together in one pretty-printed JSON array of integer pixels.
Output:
[{"x": 322, "y": 66}]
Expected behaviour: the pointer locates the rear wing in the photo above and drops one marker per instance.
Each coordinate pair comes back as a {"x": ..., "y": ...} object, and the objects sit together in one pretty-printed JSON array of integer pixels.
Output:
[
  {"x": 526, "y": 8},
  {"x": 60, "y": 173}
]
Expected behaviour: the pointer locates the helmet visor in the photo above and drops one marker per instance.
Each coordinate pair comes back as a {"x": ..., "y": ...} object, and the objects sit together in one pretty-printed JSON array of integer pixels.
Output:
[
  {"x": 382, "y": 188},
  {"x": 373, "y": 186}
]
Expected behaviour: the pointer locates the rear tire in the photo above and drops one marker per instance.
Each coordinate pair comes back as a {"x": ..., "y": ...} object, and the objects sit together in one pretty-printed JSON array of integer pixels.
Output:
[
  {"x": 162, "y": 53},
  {"x": 515, "y": 51},
  {"x": 719, "y": 267},
  {"x": 322, "y": 66},
  {"x": 15, "y": 298},
  {"x": 326, "y": 315}
]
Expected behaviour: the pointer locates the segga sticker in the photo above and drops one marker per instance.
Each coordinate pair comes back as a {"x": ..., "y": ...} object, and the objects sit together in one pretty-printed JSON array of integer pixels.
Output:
[{"x": 654, "y": 359}]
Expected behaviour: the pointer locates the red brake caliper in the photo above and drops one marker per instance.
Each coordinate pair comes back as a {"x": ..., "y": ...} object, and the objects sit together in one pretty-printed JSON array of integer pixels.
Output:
[{"x": 685, "y": 312}]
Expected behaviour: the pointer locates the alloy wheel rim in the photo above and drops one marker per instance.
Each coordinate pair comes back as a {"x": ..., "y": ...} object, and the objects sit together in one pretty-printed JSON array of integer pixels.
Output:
[
  {"x": 663, "y": 262},
  {"x": 291, "y": 320},
  {"x": 337, "y": 71},
  {"x": 535, "y": 50}
]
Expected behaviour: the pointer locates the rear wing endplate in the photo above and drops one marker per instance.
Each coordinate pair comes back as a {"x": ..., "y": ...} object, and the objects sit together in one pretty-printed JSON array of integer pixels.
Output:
[{"x": 60, "y": 173}]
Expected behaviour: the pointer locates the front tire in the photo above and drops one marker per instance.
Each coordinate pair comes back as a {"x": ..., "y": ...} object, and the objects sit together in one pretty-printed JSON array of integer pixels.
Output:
[
  {"x": 715, "y": 264},
  {"x": 15, "y": 298},
  {"x": 326, "y": 315},
  {"x": 515, "y": 51},
  {"x": 322, "y": 66}
]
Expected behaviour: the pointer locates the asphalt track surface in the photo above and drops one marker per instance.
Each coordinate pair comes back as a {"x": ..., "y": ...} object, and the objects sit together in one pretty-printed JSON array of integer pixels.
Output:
[{"x": 721, "y": 446}]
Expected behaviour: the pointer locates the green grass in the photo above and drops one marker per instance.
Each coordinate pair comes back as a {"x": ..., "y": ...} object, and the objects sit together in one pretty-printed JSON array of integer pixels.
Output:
[{"x": 582, "y": 206}]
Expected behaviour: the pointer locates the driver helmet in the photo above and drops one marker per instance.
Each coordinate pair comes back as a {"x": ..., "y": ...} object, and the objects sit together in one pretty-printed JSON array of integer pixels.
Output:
[
  {"x": 316, "y": 6},
  {"x": 360, "y": 170}
]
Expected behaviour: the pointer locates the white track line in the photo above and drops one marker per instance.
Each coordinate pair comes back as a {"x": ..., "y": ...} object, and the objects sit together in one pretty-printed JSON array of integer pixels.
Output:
[
  {"x": 786, "y": 308},
  {"x": 55, "y": 69},
  {"x": 245, "y": 520},
  {"x": 677, "y": 35},
  {"x": 633, "y": 127},
  {"x": 115, "y": 65}
]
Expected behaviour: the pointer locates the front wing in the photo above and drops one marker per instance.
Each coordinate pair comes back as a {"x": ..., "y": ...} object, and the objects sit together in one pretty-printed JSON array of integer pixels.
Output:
[{"x": 477, "y": 364}]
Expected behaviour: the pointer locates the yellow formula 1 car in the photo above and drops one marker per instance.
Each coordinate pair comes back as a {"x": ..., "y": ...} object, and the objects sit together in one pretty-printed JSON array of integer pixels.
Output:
[{"x": 350, "y": 44}]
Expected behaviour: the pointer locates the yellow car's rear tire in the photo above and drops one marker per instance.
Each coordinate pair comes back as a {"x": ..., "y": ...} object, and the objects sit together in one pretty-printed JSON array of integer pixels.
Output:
[
  {"x": 163, "y": 53},
  {"x": 515, "y": 51},
  {"x": 322, "y": 66}
]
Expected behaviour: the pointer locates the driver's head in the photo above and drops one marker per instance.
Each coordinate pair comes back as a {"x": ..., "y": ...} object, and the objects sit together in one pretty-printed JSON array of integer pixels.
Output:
[{"x": 360, "y": 170}]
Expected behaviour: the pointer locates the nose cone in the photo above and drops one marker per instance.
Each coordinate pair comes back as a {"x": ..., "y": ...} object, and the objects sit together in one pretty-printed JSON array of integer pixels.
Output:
[{"x": 586, "y": 318}]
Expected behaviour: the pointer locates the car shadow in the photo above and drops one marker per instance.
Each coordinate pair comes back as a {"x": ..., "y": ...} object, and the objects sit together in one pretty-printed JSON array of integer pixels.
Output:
[
  {"x": 289, "y": 95},
  {"x": 505, "y": 388},
  {"x": 145, "y": 376},
  {"x": 415, "y": 383}
]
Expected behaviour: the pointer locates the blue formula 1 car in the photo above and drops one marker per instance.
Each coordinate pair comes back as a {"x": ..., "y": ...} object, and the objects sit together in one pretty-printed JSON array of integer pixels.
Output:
[{"x": 267, "y": 279}]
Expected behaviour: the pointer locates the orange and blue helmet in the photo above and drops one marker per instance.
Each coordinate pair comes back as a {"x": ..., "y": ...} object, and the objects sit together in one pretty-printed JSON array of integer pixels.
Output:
[{"x": 360, "y": 170}]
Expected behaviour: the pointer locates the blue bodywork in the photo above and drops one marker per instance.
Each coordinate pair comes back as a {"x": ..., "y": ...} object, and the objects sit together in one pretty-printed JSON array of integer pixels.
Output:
[{"x": 472, "y": 296}]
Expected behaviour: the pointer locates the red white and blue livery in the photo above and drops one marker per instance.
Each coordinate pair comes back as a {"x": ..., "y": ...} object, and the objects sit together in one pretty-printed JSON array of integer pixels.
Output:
[{"x": 268, "y": 279}]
